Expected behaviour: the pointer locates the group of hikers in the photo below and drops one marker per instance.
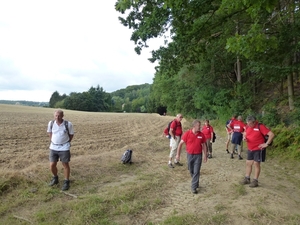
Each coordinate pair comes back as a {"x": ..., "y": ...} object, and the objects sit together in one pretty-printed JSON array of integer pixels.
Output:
[{"x": 198, "y": 141}]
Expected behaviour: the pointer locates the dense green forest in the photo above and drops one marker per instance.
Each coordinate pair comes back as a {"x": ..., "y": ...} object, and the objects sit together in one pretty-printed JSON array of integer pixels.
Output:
[{"x": 221, "y": 56}]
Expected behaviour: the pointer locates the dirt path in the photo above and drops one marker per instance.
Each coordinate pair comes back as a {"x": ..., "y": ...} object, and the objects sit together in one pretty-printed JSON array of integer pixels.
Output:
[
  {"x": 220, "y": 192},
  {"x": 101, "y": 138}
]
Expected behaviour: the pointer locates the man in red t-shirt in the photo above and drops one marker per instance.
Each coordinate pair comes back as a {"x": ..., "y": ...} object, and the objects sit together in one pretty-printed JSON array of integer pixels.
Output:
[
  {"x": 196, "y": 152},
  {"x": 255, "y": 133},
  {"x": 238, "y": 128},
  {"x": 208, "y": 131},
  {"x": 175, "y": 134}
]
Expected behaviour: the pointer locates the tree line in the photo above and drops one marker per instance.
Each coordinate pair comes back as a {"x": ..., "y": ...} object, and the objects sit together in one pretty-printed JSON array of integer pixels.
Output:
[
  {"x": 130, "y": 99},
  {"x": 220, "y": 57}
]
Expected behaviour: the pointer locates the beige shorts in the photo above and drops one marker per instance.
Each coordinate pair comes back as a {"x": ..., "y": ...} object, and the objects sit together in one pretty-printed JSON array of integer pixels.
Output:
[{"x": 174, "y": 145}]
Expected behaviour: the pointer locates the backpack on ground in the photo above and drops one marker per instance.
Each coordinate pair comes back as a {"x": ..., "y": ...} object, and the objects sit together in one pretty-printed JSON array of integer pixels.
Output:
[
  {"x": 167, "y": 130},
  {"x": 214, "y": 137},
  {"x": 127, "y": 156}
]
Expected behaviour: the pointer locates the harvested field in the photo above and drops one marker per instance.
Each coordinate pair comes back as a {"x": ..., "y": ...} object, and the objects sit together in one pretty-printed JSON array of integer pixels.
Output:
[{"x": 104, "y": 191}]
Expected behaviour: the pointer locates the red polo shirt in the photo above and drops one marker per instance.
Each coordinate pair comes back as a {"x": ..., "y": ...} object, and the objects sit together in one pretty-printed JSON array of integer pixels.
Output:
[
  {"x": 255, "y": 136},
  {"x": 193, "y": 142},
  {"x": 207, "y": 130},
  {"x": 237, "y": 126},
  {"x": 177, "y": 128}
]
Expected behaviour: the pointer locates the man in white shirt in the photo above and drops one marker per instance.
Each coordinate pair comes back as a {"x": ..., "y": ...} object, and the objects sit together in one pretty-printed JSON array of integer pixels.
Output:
[{"x": 61, "y": 134}]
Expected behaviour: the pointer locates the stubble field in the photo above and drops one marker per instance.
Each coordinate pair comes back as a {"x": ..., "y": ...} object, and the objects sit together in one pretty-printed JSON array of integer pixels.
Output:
[{"x": 104, "y": 191}]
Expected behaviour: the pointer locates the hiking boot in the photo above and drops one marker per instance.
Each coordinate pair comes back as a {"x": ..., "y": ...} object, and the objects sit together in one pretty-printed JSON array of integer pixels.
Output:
[
  {"x": 66, "y": 185},
  {"x": 231, "y": 156},
  {"x": 170, "y": 165},
  {"x": 178, "y": 164},
  {"x": 254, "y": 183},
  {"x": 246, "y": 180},
  {"x": 53, "y": 181},
  {"x": 240, "y": 157},
  {"x": 227, "y": 151},
  {"x": 194, "y": 191}
]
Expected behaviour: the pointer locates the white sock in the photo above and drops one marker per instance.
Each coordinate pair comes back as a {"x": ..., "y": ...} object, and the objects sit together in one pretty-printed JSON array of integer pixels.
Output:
[{"x": 170, "y": 162}]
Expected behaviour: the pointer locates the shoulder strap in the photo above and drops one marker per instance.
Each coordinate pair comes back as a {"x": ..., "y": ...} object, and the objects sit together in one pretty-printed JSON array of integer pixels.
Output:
[
  {"x": 67, "y": 125},
  {"x": 51, "y": 124},
  {"x": 260, "y": 131},
  {"x": 65, "y": 122}
]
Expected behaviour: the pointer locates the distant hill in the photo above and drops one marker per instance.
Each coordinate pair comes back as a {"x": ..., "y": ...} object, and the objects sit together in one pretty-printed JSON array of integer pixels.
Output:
[{"x": 27, "y": 103}]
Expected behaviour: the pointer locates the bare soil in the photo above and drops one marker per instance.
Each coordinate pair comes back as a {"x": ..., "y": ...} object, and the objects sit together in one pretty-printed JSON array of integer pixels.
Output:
[{"x": 101, "y": 138}]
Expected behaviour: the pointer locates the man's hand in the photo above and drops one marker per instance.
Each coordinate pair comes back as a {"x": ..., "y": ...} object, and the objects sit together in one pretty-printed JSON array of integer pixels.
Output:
[{"x": 205, "y": 157}]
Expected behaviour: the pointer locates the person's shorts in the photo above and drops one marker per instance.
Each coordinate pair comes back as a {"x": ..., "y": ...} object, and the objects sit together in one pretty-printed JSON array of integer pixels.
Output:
[
  {"x": 257, "y": 155},
  {"x": 64, "y": 156},
  {"x": 237, "y": 138}
]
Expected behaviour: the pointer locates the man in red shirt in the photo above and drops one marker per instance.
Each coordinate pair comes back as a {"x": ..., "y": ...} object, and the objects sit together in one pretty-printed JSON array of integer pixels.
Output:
[
  {"x": 238, "y": 128},
  {"x": 208, "y": 131},
  {"x": 196, "y": 152},
  {"x": 255, "y": 137},
  {"x": 175, "y": 134}
]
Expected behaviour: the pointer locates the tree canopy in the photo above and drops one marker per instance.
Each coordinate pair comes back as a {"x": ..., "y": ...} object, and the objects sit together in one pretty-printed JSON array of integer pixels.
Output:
[{"x": 224, "y": 56}]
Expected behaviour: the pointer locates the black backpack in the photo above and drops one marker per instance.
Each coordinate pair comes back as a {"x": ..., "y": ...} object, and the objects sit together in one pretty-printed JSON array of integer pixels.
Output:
[
  {"x": 127, "y": 156},
  {"x": 214, "y": 137},
  {"x": 167, "y": 130}
]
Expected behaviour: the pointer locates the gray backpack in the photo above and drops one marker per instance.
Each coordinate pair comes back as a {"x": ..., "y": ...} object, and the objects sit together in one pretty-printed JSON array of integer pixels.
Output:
[{"x": 127, "y": 156}]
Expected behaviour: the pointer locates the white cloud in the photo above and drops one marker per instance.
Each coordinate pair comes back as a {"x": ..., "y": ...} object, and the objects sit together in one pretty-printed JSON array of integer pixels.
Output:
[{"x": 66, "y": 46}]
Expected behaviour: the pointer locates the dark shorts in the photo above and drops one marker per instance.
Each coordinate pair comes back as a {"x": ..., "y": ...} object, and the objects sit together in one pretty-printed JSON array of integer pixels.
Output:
[
  {"x": 237, "y": 138},
  {"x": 257, "y": 156},
  {"x": 64, "y": 156}
]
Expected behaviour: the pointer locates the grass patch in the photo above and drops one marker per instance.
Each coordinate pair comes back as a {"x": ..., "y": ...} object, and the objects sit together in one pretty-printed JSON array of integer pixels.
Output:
[
  {"x": 238, "y": 190},
  {"x": 263, "y": 216},
  {"x": 196, "y": 219}
]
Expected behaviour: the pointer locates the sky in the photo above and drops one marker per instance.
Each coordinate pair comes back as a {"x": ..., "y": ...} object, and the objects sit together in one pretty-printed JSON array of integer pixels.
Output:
[{"x": 67, "y": 46}]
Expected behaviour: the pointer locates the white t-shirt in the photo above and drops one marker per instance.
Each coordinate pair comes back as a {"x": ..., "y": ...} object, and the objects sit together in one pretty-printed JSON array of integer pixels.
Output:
[{"x": 60, "y": 136}]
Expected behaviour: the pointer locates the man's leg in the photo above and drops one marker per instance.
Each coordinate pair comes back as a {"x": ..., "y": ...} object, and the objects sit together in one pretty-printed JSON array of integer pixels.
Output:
[
  {"x": 53, "y": 168},
  {"x": 176, "y": 162},
  {"x": 249, "y": 164},
  {"x": 66, "y": 184},
  {"x": 66, "y": 170},
  {"x": 239, "y": 147},
  {"x": 254, "y": 182},
  {"x": 233, "y": 146},
  {"x": 53, "y": 158},
  {"x": 196, "y": 175},
  {"x": 209, "y": 148},
  {"x": 172, "y": 152},
  {"x": 228, "y": 141},
  {"x": 257, "y": 170}
]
